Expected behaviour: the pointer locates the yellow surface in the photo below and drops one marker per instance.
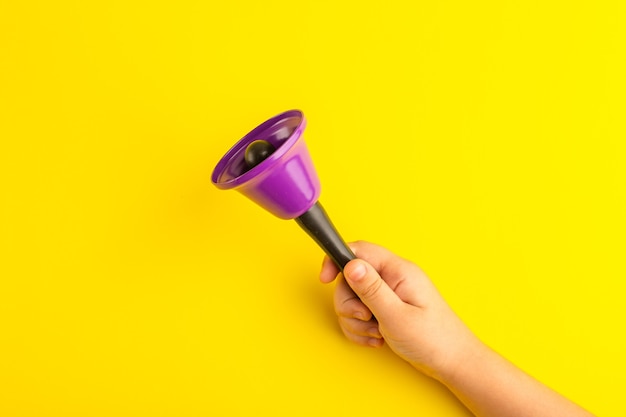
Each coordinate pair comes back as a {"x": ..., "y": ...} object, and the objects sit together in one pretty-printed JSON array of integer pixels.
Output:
[{"x": 484, "y": 140}]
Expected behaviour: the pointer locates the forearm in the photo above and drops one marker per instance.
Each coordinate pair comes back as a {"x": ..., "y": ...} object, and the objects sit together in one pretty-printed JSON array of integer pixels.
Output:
[
  {"x": 491, "y": 386},
  {"x": 421, "y": 328}
]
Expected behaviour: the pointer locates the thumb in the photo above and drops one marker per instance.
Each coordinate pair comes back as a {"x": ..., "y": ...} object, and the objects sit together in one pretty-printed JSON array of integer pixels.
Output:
[{"x": 371, "y": 288}]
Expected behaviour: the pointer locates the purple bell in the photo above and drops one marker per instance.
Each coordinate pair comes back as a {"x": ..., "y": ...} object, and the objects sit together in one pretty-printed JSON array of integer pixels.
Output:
[{"x": 271, "y": 166}]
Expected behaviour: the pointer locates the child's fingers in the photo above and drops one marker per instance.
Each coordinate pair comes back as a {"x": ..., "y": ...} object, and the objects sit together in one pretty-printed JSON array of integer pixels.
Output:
[
  {"x": 363, "y": 340},
  {"x": 379, "y": 257},
  {"x": 347, "y": 304},
  {"x": 360, "y": 327},
  {"x": 373, "y": 290},
  {"x": 329, "y": 270}
]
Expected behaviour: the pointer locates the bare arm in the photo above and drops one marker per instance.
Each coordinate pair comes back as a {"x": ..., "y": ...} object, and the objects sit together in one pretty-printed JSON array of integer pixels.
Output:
[
  {"x": 420, "y": 327},
  {"x": 489, "y": 385}
]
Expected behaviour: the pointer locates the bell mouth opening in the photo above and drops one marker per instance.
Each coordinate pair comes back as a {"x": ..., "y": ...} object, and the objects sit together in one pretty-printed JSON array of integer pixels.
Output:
[{"x": 282, "y": 131}]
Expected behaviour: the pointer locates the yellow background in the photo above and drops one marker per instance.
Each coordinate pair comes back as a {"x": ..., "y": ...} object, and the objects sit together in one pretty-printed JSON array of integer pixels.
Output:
[{"x": 484, "y": 140}]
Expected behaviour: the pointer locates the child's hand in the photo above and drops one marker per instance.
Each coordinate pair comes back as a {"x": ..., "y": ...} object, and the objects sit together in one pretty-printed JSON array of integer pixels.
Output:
[
  {"x": 420, "y": 327},
  {"x": 410, "y": 314}
]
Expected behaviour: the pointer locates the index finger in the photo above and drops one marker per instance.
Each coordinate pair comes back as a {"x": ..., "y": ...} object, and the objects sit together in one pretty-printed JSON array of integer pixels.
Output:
[
  {"x": 329, "y": 270},
  {"x": 347, "y": 303}
]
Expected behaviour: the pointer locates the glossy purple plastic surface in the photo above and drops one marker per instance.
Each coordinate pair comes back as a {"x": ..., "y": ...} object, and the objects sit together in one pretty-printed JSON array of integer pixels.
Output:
[{"x": 285, "y": 183}]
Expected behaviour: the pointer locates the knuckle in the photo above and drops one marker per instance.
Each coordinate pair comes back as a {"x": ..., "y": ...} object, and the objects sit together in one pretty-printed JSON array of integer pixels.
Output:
[
  {"x": 340, "y": 307},
  {"x": 346, "y": 308},
  {"x": 372, "y": 289}
]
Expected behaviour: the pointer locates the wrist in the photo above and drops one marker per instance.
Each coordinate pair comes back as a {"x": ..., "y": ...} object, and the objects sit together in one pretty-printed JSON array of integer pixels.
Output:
[{"x": 467, "y": 352}]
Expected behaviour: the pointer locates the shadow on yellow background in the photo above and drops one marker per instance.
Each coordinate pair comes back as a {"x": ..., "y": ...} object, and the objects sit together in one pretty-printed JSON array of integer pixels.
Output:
[{"x": 484, "y": 141}]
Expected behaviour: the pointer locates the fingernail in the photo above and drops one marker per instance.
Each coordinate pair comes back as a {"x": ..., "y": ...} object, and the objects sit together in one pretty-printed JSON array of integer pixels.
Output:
[
  {"x": 359, "y": 315},
  {"x": 375, "y": 342},
  {"x": 357, "y": 271},
  {"x": 373, "y": 332}
]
